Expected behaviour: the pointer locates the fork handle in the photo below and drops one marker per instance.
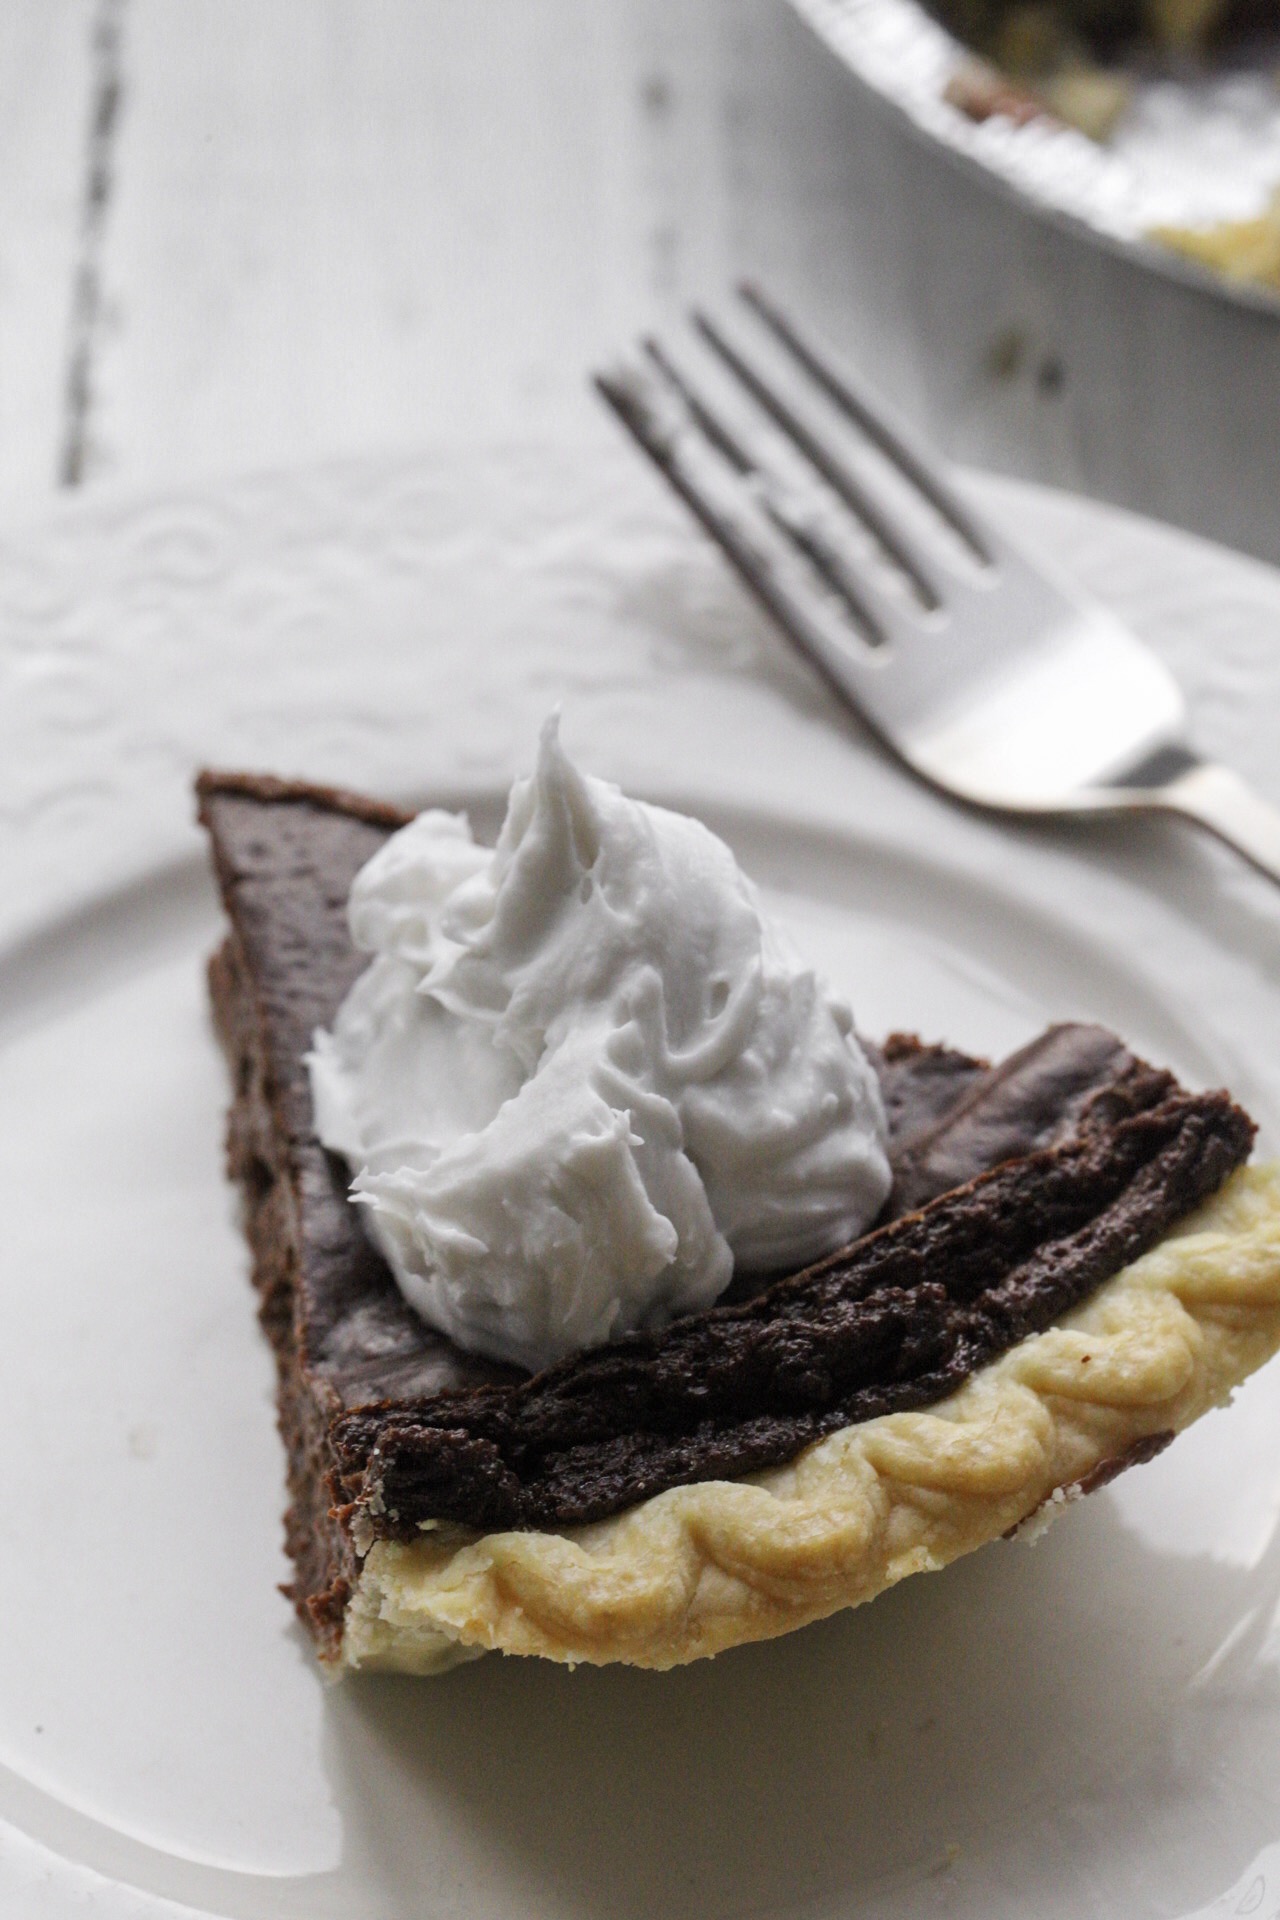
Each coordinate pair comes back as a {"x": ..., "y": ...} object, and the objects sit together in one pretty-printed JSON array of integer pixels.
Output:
[{"x": 1220, "y": 800}]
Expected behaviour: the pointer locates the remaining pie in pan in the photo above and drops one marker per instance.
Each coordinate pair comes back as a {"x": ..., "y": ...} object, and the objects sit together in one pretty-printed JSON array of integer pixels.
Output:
[
  {"x": 1046, "y": 29},
  {"x": 1075, "y": 59},
  {"x": 1075, "y": 1262}
]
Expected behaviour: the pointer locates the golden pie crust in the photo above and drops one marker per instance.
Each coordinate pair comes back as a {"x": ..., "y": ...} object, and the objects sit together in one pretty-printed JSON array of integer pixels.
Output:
[{"x": 701, "y": 1568}]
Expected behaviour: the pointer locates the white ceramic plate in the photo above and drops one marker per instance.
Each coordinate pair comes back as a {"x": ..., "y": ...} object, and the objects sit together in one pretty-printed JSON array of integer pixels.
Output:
[
  {"x": 1193, "y": 147},
  {"x": 1087, "y": 1726}
]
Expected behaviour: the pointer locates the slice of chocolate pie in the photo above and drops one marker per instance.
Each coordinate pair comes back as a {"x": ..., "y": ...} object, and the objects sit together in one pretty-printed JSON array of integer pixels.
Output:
[{"x": 1074, "y": 1263}]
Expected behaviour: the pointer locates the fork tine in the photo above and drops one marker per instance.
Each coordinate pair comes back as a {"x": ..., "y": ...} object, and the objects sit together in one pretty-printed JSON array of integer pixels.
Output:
[
  {"x": 791, "y": 514},
  {"x": 834, "y": 470},
  {"x": 875, "y": 420},
  {"x": 717, "y": 430},
  {"x": 734, "y": 524}
]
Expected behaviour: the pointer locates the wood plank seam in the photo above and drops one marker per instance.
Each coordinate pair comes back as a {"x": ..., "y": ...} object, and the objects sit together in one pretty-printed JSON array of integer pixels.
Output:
[{"x": 107, "y": 68}]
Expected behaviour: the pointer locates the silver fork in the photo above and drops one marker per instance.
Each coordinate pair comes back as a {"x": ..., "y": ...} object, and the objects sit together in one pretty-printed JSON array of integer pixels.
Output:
[{"x": 991, "y": 677}]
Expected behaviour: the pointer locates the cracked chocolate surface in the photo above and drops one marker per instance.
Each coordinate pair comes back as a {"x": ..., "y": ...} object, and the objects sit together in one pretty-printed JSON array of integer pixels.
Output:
[{"x": 1017, "y": 1190}]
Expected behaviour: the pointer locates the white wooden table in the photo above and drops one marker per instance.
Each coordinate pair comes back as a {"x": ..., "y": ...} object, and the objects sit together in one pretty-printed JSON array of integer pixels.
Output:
[{"x": 243, "y": 233}]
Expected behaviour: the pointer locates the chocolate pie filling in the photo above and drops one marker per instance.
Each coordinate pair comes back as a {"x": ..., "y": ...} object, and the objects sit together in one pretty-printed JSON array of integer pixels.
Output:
[{"x": 1018, "y": 1190}]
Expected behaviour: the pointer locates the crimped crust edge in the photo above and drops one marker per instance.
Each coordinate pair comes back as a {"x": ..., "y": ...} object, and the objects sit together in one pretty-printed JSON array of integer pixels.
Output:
[{"x": 700, "y": 1568}]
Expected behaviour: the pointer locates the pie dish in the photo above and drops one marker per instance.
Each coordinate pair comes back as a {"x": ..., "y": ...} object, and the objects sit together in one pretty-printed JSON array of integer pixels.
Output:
[
  {"x": 1074, "y": 1265},
  {"x": 1151, "y": 134}
]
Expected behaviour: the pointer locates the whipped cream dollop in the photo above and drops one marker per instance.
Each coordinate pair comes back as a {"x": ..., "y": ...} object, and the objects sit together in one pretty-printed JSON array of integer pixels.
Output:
[{"x": 586, "y": 1074}]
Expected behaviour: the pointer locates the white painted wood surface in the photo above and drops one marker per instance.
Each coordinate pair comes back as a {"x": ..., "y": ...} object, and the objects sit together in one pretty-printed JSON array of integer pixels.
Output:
[
  {"x": 324, "y": 226},
  {"x": 337, "y": 225}
]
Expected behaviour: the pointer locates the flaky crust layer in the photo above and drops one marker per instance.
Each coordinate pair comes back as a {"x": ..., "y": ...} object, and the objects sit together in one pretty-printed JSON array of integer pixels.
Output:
[{"x": 701, "y": 1568}]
